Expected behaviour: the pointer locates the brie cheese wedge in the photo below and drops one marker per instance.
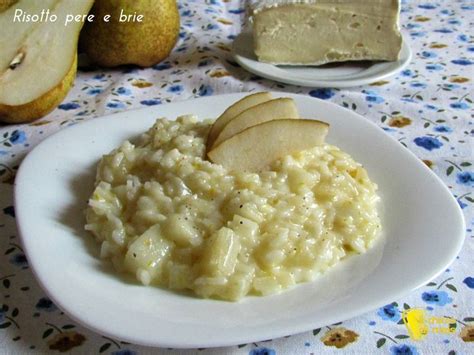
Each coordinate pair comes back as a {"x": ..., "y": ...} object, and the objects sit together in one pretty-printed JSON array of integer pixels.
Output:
[{"x": 315, "y": 32}]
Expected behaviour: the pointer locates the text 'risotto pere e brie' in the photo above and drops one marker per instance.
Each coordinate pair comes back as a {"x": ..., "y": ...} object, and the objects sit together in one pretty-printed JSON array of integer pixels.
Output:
[{"x": 165, "y": 214}]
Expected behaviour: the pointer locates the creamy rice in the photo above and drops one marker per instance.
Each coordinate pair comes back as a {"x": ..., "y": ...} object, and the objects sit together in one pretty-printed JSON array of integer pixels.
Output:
[{"x": 173, "y": 219}]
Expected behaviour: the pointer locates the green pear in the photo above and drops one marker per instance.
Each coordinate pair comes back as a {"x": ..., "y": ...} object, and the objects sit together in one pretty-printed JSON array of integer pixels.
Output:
[{"x": 143, "y": 43}]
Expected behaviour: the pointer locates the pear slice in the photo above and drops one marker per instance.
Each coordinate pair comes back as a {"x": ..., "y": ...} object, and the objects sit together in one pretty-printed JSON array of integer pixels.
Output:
[
  {"x": 38, "y": 60},
  {"x": 234, "y": 110},
  {"x": 266, "y": 111},
  {"x": 256, "y": 147}
]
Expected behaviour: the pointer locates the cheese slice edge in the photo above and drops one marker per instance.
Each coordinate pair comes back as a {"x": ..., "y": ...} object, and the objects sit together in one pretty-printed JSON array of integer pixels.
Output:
[{"x": 311, "y": 32}]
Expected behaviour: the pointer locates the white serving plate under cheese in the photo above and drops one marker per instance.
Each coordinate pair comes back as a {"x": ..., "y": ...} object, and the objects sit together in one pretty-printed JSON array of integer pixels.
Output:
[
  {"x": 57, "y": 177},
  {"x": 336, "y": 75}
]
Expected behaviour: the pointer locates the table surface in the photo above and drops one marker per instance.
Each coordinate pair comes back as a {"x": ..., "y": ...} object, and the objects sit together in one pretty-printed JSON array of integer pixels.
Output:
[{"x": 428, "y": 108}]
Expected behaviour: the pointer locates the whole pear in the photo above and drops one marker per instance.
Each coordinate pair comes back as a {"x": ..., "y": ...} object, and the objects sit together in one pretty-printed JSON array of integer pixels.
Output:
[{"x": 142, "y": 43}]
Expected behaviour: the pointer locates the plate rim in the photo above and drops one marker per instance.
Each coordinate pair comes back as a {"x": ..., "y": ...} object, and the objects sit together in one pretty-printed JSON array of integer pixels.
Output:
[
  {"x": 209, "y": 342},
  {"x": 247, "y": 64}
]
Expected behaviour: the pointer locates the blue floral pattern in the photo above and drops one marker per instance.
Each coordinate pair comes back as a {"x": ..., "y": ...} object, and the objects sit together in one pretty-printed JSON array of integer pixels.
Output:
[
  {"x": 390, "y": 312},
  {"x": 428, "y": 108},
  {"x": 262, "y": 351},
  {"x": 322, "y": 93},
  {"x": 403, "y": 350},
  {"x": 439, "y": 298},
  {"x": 45, "y": 304},
  {"x": 469, "y": 281},
  {"x": 429, "y": 143}
]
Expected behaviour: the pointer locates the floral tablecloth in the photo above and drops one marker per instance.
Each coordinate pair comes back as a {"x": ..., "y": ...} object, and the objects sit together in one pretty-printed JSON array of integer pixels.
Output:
[{"x": 427, "y": 107}]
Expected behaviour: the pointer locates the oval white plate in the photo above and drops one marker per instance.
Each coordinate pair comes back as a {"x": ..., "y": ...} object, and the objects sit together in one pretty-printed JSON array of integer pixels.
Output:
[
  {"x": 422, "y": 222},
  {"x": 338, "y": 75}
]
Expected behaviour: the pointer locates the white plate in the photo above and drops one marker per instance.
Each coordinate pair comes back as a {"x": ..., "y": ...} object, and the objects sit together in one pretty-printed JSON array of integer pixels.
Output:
[
  {"x": 422, "y": 223},
  {"x": 337, "y": 75}
]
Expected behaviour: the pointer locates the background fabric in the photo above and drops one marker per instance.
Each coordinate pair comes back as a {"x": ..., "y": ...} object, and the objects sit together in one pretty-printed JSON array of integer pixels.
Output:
[{"x": 428, "y": 108}]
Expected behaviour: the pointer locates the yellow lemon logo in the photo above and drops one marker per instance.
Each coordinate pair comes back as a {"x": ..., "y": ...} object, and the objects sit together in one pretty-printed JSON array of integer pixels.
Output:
[
  {"x": 419, "y": 324},
  {"x": 416, "y": 322}
]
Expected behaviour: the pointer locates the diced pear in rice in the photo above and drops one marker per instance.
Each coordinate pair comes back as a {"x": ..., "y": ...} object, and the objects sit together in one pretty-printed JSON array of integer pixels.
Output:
[
  {"x": 221, "y": 255},
  {"x": 245, "y": 229},
  {"x": 148, "y": 252},
  {"x": 180, "y": 276},
  {"x": 179, "y": 229}
]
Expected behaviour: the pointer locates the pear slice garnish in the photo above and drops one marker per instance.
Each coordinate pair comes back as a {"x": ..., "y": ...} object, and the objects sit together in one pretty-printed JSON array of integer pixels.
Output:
[
  {"x": 256, "y": 147},
  {"x": 266, "y": 111},
  {"x": 233, "y": 111}
]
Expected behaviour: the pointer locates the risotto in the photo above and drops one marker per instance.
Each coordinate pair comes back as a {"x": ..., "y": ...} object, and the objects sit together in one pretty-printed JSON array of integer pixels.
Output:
[{"x": 173, "y": 219}]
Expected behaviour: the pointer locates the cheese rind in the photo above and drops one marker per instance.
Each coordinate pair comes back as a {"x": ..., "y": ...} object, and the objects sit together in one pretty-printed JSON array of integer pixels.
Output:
[{"x": 318, "y": 32}]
